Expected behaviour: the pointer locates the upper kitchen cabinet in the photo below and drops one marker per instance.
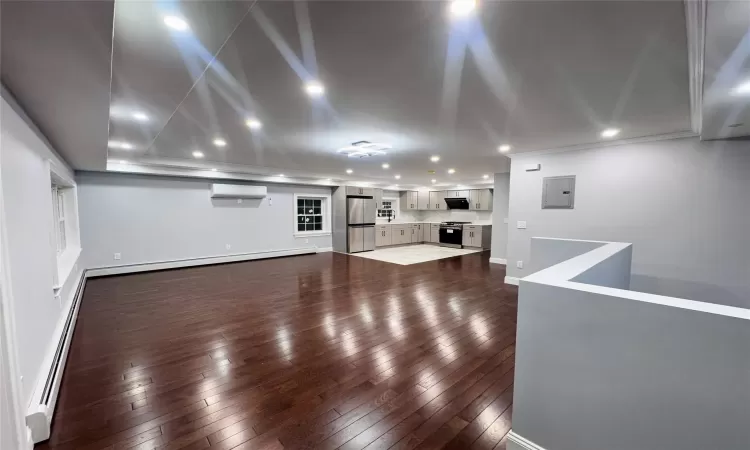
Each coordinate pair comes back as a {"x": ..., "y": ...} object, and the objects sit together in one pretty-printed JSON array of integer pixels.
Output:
[
  {"x": 458, "y": 194},
  {"x": 423, "y": 200},
  {"x": 409, "y": 200},
  {"x": 480, "y": 200},
  {"x": 377, "y": 194},
  {"x": 356, "y": 190},
  {"x": 437, "y": 200}
]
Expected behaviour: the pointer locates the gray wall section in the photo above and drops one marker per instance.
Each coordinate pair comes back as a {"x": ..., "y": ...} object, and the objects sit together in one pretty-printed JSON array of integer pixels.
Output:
[
  {"x": 500, "y": 200},
  {"x": 682, "y": 203},
  {"x": 152, "y": 219},
  {"x": 598, "y": 372}
]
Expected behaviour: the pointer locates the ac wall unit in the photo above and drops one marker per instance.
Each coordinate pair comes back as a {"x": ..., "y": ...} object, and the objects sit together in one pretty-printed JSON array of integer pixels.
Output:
[{"x": 237, "y": 191}]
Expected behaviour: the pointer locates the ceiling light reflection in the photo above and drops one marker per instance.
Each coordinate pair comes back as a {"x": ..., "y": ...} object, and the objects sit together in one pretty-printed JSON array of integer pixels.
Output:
[
  {"x": 176, "y": 23},
  {"x": 198, "y": 154},
  {"x": 610, "y": 132},
  {"x": 220, "y": 142},
  {"x": 504, "y": 148},
  {"x": 315, "y": 89},
  {"x": 253, "y": 124}
]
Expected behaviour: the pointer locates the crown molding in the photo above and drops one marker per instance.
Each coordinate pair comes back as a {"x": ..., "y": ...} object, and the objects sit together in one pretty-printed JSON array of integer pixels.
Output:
[{"x": 602, "y": 144}]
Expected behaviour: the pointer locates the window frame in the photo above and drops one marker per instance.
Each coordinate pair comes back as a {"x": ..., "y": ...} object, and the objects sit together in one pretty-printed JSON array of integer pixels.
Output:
[
  {"x": 325, "y": 213},
  {"x": 59, "y": 218}
]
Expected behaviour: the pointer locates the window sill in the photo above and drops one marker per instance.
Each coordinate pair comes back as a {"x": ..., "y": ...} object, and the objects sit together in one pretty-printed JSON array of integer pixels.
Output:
[
  {"x": 65, "y": 264},
  {"x": 302, "y": 234}
]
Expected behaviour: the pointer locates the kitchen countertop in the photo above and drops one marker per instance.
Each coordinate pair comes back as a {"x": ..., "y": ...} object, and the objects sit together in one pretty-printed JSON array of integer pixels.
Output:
[{"x": 408, "y": 222}]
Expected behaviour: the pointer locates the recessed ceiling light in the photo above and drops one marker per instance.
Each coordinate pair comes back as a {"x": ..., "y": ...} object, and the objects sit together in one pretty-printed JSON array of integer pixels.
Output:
[
  {"x": 253, "y": 124},
  {"x": 213, "y": 169},
  {"x": 219, "y": 142},
  {"x": 120, "y": 145},
  {"x": 280, "y": 175},
  {"x": 610, "y": 132},
  {"x": 176, "y": 23},
  {"x": 140, "y": 117},
  {"x": 398, "y": 177},
  {"x": 435, "y": 158},
  {"x": 462, "y": 8},
  {"x": 198, "y": 154},
  {"x": 742, "y": 89},
  {"x": 434, "y": 181},
  {"x": 385, "y": 166},
  {"x": 485, "y": 176},
  {"x": 504, "y": 148},
  {"x": 451, "y": 171},
  {"x": 315, "y": 89},
  {"x": 349, "y": 171}
]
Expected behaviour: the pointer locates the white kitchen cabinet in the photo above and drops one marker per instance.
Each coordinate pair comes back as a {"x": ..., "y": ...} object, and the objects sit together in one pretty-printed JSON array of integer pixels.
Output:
[
  {"x": 377, "y": 194},
  {"x": 437, "y": 200},
  {"x": 480, "y": 200},
  {"x": 423, "y": 200},
  {"x": 408, "y": 200},
  {"x": 414, "y": 235},
  {"x": 356, "y": 190},
  {"x": 435, "y": 233},
  {"x": 382, "y": 235},
  {"x": 400, "y": 234},
  {"x": 457, "y": 194},
  {"x": 477, "y": 236}
]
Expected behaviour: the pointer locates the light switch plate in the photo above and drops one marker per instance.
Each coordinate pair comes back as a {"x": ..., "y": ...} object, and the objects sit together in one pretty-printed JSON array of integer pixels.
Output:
[
  {"x": 519, "y": 264},
  {"x": 505, "y": 220},
  {"x": 118, "y": 256},
  {"x": 521, "y": 225},
  {"x": 228, "y": 246}
]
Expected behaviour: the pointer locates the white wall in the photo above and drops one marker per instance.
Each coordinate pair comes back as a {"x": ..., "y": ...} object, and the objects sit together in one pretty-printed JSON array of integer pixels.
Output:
[
  {"x": 601, "y": 367},
  {"x": 26, "y": 162},
  {"x": 500, "y": 199},
  {"x": 682, "y": 203},
  {"x": 151, "y": 219}
]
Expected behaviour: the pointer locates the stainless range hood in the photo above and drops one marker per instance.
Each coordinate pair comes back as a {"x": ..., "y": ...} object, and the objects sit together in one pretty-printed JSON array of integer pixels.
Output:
[{"x": 457, "y": 203}]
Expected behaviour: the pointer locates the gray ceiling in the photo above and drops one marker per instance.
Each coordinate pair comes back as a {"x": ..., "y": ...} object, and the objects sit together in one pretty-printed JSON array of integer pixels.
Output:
[
  {"x": 726, "y": 66},
  {"x": 534, "y": 74}
]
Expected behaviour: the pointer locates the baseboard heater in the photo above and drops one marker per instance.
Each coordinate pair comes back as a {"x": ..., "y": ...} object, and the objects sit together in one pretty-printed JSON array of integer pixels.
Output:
[{"x": 39, "y": 417}]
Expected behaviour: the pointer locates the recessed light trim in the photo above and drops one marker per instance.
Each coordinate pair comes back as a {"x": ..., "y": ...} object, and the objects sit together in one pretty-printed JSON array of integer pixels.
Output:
[
  {"x": 219, "y": 142},
  {"x": 435, "y": 158},
  {"x": 485, "y": 176},
  {"x": 315, "y": 88},
  {"x": 349, "y": 171},
  {"x": 504, "y": 148},
  {"x": 451, "y": 171},
  {"x": 176, "y": 23},
  {"x": 433, "y": 181},
  {"x": 385, "y": 166},
  {"x": 253, "y": 123},
  {"x": 462, "y": 8},
  {"x": 398, "y": 177},
  {"x": 198, "y": 154},
  {"x": 610, "y": 132}
]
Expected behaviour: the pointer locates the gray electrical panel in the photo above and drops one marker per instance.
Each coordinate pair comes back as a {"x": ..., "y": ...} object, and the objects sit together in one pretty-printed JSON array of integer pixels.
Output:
[{"x": 558, "y": 192}]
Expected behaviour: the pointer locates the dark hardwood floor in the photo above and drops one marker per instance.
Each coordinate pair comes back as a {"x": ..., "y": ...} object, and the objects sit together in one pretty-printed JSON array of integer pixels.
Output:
[{"x": 320, "y": 351}]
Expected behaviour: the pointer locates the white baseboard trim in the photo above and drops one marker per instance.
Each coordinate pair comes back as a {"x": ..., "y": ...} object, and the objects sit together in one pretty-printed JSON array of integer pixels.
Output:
[
  {"x": 175, "y": 264},
  {"x": 324, "y": 249},
  {"x": 511, "y": 280},
  {"x": 43, "y": 401},
  {"x": 498, "y": 261},
  {"x": 522, "y": 442}
]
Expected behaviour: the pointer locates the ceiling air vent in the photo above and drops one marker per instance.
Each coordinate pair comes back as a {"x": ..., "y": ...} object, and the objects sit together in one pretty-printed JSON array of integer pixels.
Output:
[{"x": 363, "y": 149}]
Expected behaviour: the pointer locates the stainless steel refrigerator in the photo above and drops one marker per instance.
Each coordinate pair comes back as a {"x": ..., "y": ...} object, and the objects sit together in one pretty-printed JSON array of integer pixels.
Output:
[{"x": 360, "y": 224}]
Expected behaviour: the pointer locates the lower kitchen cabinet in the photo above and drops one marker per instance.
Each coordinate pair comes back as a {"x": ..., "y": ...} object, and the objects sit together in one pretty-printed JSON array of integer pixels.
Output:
[
  {"x": 477, "y": 236},
  {"x": 435, "y": 233},
  {"x": 400, "y": 234},
  {"x": 382, "y": 235}
]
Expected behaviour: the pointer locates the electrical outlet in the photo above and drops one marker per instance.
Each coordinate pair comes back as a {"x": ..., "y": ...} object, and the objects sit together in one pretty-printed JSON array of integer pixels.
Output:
[
  {"x": 505, "y": 220},
  {"x": 270, "y": 201},
  {"x": 307, "y": 241},
  {"x": 228, "y": 246},
  {"x": 118, "y": 256},
  {"x": 519, "y": 264},
  {"x": 521, "y": 225},
  {"x": 239, "y": 201}
]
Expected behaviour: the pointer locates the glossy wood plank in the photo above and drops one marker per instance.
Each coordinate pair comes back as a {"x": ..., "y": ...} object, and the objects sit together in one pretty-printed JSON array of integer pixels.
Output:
[{"x": 318, "y": 351}]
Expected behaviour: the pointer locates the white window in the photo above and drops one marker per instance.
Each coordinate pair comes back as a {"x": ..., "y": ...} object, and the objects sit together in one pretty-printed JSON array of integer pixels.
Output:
[
  {"x": 386, "y": 208},
  {"x": 58, "y": 211},
  {"x": 312, "y": 215}
]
